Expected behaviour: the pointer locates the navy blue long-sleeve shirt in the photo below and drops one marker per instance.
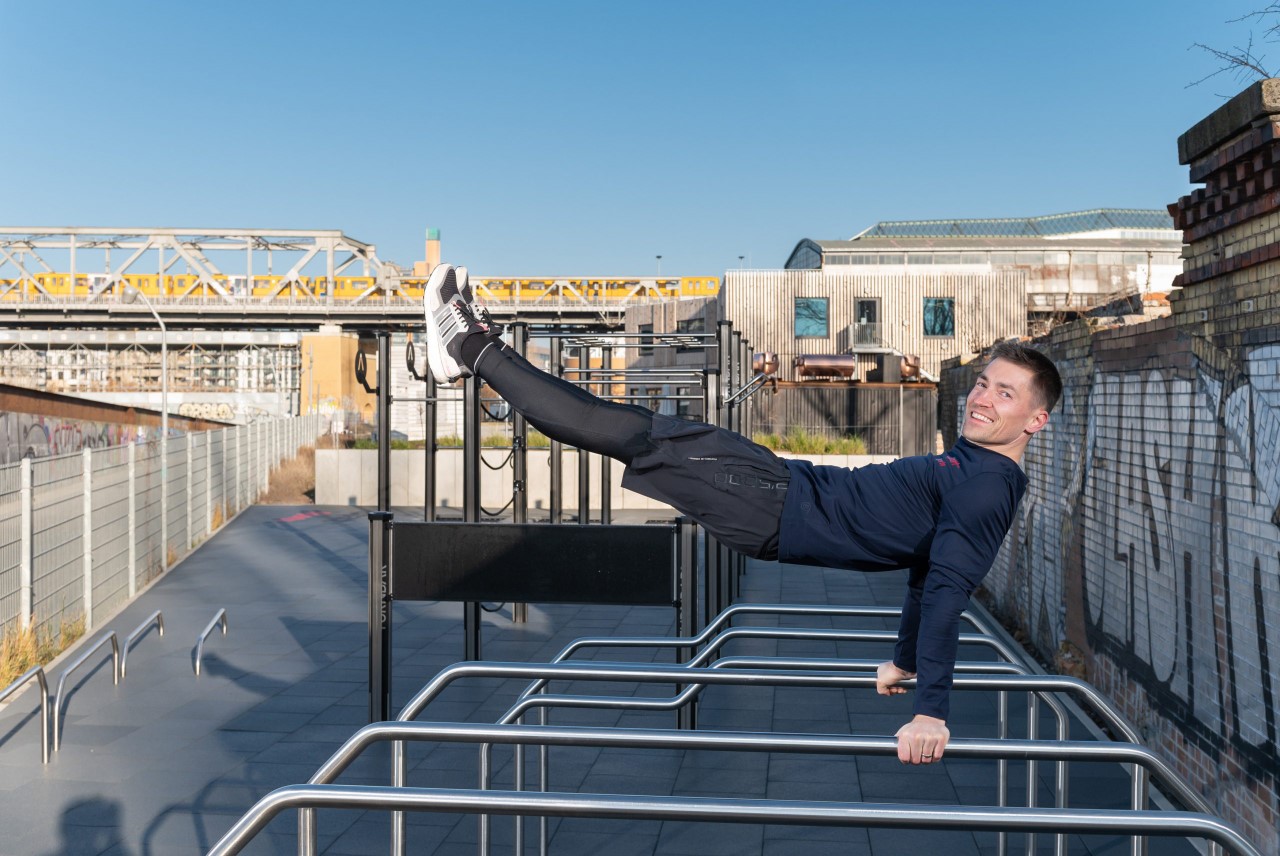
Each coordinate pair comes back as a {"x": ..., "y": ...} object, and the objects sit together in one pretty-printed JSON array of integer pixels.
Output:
[{"x": 941, "y": 516}]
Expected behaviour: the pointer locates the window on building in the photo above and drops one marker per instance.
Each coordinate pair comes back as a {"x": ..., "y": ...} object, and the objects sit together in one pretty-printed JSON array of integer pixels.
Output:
[
  {"x": 646, "y": 349},
  {"x": 811, "y": 318},
  {"x": 919, "y": 258},
  {"x": 1135, "y": 258},
  {"x": 1003, "y": 259},
  {"x": 891, "y": 258},
  {"x": 690, "y": 325},
  {"x": 1029, "y": 258},
  {"x": 939, "y": 316}
]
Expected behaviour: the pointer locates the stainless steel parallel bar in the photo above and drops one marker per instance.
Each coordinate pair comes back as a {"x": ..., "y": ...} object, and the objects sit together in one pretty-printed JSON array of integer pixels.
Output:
[
  {"x": 79, "y": 661},
  {"x": 1028, "y": 750},
  {"x": 726, "y": 617},
  {"x": 680, "y": 675},
  {"x": 762, "y": 742},
  {"x": 739, "y": 741},
  {"x": 793, "y": 812},
  {"x": 544, "y": 701},
  {"x": 38, "y": 673},
  {"x": 199, "y": 652},
  {"x": 748, "y": 388},
  {"x": 156, "y": 619}
]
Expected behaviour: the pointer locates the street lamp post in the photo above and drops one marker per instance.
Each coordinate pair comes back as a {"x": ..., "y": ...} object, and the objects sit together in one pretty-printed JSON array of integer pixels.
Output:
[
  {"x": 659, "y": 265},
  {"x": 131, "y": 295}
]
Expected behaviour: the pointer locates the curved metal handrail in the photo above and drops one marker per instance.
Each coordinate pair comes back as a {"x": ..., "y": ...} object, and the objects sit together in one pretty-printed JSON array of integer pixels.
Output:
[
  {"x": 62, "y": 679},
  {"x": 773, "y": 811},
  {"x": 684, "y": 675},
  {"x": 199, "y": 652},
  {"x": 156, "y": 619},
  {"x": 38, "y": 673}
]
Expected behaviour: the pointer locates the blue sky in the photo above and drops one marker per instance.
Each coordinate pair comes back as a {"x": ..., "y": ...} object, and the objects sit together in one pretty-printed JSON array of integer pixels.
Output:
[{"x": 579, "y": 138}]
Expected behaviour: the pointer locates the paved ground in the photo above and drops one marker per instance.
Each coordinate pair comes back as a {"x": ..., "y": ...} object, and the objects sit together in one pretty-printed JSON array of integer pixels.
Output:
[{"x": 166, "y": 762}]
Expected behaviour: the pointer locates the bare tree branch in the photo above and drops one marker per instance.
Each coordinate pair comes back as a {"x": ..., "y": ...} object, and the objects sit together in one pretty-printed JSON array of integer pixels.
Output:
[{"x": 1241, "y": 62}]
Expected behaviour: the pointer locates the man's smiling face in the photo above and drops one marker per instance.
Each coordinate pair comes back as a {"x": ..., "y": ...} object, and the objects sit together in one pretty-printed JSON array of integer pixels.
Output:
[{"x": 1003, "y": 410}]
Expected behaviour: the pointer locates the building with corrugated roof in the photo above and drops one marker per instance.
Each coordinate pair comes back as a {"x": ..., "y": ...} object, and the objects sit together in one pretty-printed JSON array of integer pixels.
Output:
[
  {"x": 1070, "y": 262},
  {"x": 938, "y": 289}
]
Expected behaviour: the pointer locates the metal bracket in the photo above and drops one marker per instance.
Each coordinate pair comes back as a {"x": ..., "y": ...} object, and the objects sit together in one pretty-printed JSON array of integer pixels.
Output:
[
  {"x": 410, "y": 359},
  {"x": 362, "y": 373}
]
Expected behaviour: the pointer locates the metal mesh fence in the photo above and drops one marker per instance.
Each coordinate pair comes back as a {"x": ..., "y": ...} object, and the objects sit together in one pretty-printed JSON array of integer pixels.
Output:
[
  {"x": 147, "y": 523},
  {"x": 198, "y": 484},
  {"x": 109, "y": 532},
  {"x": 57, "y": 539},
  {"x": 226, "y": 470},
  {"x": 178, "y": 544},
  {"x": 217, "y": 478},
  {"x": 10, "y": 542}
]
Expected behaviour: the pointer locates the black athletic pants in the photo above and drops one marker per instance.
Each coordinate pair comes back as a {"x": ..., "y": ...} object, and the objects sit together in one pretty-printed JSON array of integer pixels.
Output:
[{"x": 731, "y": 486}]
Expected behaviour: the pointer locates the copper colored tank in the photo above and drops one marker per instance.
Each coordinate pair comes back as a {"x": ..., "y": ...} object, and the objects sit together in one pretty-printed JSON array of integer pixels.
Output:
[
  {"x": 825, "y": 365},
  {"x": 765, "y": 363},
  {"x": 910, "y": 366}
]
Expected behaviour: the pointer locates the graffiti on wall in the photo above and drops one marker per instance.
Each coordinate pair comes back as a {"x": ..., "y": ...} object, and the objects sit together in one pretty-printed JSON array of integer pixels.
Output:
[
  {"x": 31, "y": 435},
  {"x": 1156, "y": 516}
]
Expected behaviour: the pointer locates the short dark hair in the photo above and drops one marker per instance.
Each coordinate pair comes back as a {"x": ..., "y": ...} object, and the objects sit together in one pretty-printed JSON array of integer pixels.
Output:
[{"x": 1044, "y": 374}]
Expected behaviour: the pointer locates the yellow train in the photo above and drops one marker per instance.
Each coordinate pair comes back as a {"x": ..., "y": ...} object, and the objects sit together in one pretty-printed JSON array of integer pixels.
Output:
[{"x": 58, "y": 287}]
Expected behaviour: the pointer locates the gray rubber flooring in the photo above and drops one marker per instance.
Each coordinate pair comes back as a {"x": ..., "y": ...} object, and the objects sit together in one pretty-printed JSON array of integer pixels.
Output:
[{"x": 165, "y": 762}]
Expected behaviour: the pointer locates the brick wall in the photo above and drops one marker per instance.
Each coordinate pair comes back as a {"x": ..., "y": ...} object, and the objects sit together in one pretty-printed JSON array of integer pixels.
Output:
[{"x": 1146, "y": 553}]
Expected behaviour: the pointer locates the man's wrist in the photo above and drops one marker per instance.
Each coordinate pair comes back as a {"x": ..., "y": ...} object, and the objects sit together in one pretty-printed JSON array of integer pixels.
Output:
[{"x": 924, "y": 717}]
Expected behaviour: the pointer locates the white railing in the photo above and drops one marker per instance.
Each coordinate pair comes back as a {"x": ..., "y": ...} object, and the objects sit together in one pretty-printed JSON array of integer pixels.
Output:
[{"x": 81, "y": 534}]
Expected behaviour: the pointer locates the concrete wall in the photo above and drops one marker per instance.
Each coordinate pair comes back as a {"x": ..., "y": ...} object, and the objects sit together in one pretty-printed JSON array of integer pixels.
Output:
[
  {"x": 350, "y": 477},
  {"x": 1146, "y": 554}
]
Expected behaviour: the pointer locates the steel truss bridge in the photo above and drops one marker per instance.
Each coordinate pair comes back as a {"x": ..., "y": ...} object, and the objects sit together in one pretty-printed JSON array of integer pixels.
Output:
[{"x": 277, "y": 279}]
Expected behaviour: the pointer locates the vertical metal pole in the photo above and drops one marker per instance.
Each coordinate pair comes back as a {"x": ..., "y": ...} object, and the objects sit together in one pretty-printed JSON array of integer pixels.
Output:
[
  {"x": 133, "y": 520},
  {"x": 471, "y": 502},
  {"x": 87, "y": 536},
  {"x": 606, "y": 489},
  {"x": 684, "y": 560},
  {"x": 1002, "y": 767},
  {"x": 1140, "y": 797},
  {"x": 584, "y": 457},
  {"x": 711, "y": 578},
  {"x": 24, "y": 580},
  {"x": 520, "y": 463},
  {"x": 557, "y": 465},
  {"x": 380, "y": 523},
  {"x": 1033, "y": 732},
  {"x": 429, "y": 445},
  {"x": 384, "y": 421},
  {"x": 724, "y": 369}
]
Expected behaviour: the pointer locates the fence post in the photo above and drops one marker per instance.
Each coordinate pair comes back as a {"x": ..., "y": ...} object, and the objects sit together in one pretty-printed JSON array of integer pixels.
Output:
[
  {"x": 208, "y": 483},
  {"x": 164, "y": 503},
  {"x": 24, "y": 582},
  {"x": 87, "y": 538},
  {"x": 239, "y": 429},
  {"x": 191, "y": 535},
  {"x": 133, "y": 520}
]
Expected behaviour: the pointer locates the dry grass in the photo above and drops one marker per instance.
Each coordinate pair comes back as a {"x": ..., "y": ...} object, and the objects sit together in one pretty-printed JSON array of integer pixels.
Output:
[
  {"x": 294, "y": 481},
  {"x": 804, "y": 442},
  {"x": 20, "y": 649}
]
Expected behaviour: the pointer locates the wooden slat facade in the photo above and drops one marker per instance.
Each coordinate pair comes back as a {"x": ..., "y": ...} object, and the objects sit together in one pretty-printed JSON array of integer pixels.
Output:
[{"x": 761, "y": 304}]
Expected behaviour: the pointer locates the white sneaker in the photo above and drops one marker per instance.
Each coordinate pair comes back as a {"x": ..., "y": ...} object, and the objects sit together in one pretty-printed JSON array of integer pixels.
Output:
[{"x": 449, "y": 320}]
